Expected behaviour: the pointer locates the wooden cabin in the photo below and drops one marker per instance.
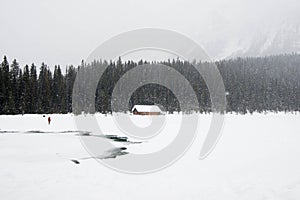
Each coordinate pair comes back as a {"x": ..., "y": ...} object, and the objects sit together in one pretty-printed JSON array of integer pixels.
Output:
[{"x": 146, "y": 110}]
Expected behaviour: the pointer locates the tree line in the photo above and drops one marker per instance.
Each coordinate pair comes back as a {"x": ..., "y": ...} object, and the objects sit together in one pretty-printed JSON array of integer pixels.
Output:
[
  {"x": 28, "y": 90},
  {"x": 252, "y": 85}
]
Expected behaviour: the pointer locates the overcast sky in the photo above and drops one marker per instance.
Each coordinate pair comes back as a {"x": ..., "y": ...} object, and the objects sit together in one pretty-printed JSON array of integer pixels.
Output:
[{"x": 65, "y": 31}]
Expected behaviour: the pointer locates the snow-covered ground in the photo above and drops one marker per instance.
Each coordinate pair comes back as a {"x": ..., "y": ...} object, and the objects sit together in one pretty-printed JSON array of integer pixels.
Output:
[{"x": 257, "y": 157}]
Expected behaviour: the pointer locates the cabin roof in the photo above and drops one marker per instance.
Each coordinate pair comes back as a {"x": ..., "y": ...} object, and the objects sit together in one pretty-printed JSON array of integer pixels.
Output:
[{"x": 146, "y": 108}]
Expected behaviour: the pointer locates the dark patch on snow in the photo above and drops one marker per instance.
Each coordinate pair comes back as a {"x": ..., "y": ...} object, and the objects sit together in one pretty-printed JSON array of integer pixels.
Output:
[
  {"x": 109, "y": 154},
  {"x": 9, "y": 131},
  {"x": 83, "y": 133},
  {"x": 37, "y": 131},
  {"x": 115, "y": 138},
  {"x": 75, "y": 161},
  {"x": 114, "y": 153},
  {"x": 70, "y": 132}
]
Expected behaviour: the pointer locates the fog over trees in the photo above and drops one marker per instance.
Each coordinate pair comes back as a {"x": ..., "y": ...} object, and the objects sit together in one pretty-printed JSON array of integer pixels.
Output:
[{"x": 252, "y": 85}]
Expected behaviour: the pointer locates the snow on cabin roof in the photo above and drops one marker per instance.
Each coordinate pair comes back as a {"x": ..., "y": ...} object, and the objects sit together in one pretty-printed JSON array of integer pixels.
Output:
[{"x": 146, "y": 108}]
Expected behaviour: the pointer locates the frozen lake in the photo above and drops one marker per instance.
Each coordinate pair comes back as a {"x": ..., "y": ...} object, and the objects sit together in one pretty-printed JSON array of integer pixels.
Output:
[{"x": 257, "y": 157}]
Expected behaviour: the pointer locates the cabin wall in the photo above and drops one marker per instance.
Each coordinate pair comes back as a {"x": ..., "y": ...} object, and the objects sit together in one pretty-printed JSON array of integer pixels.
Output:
[{"x": 146, "y": 113}]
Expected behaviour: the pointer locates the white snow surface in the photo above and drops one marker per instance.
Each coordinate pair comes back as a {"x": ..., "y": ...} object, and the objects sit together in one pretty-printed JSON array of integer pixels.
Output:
[{"x": 257, "y": 157}]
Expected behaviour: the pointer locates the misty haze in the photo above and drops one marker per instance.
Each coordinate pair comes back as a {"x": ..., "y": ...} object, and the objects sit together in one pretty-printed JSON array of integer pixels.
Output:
[{"x": 150, "y": 99}]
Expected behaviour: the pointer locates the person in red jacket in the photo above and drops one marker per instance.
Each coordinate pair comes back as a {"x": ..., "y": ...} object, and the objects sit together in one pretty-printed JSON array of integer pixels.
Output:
[{"x": 49, "y": 120}]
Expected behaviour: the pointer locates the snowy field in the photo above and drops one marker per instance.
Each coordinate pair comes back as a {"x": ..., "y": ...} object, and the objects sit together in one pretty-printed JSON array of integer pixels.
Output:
[{"x": 257, "y": 157}]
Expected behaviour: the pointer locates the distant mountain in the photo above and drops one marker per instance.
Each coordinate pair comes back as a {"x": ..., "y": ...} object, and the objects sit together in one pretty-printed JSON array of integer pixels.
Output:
[{"x": 285, "y": 38}]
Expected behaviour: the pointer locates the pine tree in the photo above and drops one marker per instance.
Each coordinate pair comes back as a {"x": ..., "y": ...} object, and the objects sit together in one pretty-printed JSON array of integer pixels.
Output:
[
  {"x": 6, "y": 85},
  {"x": 44, "y": 90},
  {"x": 20, "y": 95},
  {"x": 70, "y": 79},
  {"x": 2, "y": 90},
  {"x": 26, "y": 96},
  {"x": 58, "y": 91},
  {"x": 14, "y": 76},
  {"x": 33, "y": 91}
]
